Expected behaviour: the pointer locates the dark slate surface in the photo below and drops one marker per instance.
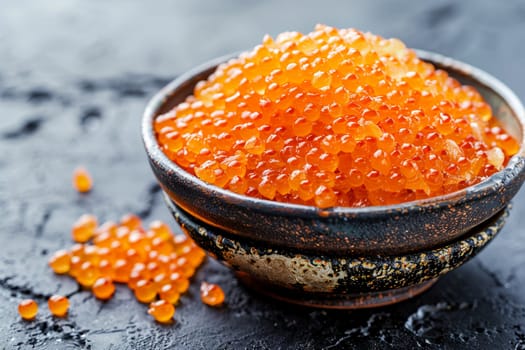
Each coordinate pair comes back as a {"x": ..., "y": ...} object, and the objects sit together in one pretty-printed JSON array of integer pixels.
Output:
[{"x": 74, "y": 78}]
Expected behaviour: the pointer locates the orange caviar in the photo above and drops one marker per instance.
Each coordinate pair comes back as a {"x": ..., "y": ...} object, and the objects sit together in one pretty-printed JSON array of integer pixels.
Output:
[
  {"x": 162, "y": 311},
  {"x": 152, "y": 262},
  {"x": 179, "y": 282},
  {"x": 131, "y": 221},
  {"x": 87, "y": 275},
  {"x": 103, "y": 288},
  {"x": 334, "y": 118},
  {"x": 58, "y": 305},
  {"x": 84, "y": 228},
  {"x": 211, "y": 294},
  {"x": 145, "y": 291},
  {"x": 169, "y": 293},
  {"x": 60, "y": 261},
  {"x": 82, "y": 181},
  {"x": 28, "y": 309}
]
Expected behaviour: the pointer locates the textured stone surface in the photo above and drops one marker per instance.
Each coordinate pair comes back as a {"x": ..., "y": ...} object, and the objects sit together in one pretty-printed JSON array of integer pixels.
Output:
[{"x": 74, "y": 78}]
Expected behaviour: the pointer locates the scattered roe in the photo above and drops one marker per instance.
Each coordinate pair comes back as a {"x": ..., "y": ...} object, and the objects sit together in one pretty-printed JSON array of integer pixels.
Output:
[
  {"x": 82, "y": 181},
  {"x": 28, "y": 309},
  {"x": 169, "y": 293},
  {"x": 162, "y": 311},
  {"x": 151, "y": 261},
  {"x": 58, "y": 305},
  {"x": 60, "y": 262},
  {"x": 334, "y": 118},
  {"x": 84, "y": 228},
  {"x": 211, "y": 294},
  {"x": 103, "y": 288}
]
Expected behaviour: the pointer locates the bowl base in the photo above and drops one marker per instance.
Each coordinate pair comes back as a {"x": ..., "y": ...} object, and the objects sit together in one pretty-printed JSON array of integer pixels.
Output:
[
  {"x": 336, "y": 301},
  {"x": 332, "y": 281}
]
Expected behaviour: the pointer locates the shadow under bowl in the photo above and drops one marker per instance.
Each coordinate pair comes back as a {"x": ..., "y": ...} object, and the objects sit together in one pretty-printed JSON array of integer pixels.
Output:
[{"x": 344, "y": 233}]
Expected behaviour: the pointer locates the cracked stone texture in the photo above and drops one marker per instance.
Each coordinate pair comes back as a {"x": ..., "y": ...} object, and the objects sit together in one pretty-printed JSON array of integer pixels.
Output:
[{"x": 74, "y": 79}]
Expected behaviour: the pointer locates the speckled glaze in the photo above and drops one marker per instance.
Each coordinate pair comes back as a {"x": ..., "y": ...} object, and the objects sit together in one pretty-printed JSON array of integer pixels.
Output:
[
  {"x": 379, "y": 230},
  {"x": 332, "y": 281}
]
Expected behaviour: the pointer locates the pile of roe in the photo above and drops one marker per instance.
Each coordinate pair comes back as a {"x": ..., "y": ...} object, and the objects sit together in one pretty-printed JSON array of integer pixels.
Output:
[
  {"x": 334, "y": 118},
  {"x": 152, "y": 261}
]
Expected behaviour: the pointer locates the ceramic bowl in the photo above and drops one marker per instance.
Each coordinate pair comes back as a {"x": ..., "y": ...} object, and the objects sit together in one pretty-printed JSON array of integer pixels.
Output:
[
  {"x": 416, "y": 227},
  {"x": 330, "y": 281}
]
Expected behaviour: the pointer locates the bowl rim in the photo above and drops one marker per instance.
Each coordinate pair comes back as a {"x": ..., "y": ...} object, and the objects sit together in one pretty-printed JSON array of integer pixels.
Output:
[{"x": 264, "y": 205}]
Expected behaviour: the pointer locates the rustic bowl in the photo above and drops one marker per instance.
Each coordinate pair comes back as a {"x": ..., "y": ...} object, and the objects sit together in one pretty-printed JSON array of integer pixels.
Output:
[
  {"x": 331, "y": 281},
  {"x": 377, "y": 232}
]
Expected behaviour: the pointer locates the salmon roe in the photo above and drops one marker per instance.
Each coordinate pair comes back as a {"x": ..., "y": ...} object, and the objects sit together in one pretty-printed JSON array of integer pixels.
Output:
[
  {"x": 162, "y": 311},
  {"x": 334, "y": 118},
  {"x": 82, "y": 181},
  {"x": 58, "y": 305},
  {"x": 103, "y": 288},
  {"x": 145, "y": 291},
  {"x": 169, "y": 293},
  {"x": 60, "y": 261},
  {"x": 150, "y": 260},
  {"x": 28, "y": 309},
  {"x": 211, "y": 294},
  {"x": 84, "y": 228}
]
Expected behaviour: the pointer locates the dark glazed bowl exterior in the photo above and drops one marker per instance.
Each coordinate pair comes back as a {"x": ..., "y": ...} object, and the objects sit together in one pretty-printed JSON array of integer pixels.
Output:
[
  {"x": 384, "y": 230},
  {"x": 331, "y": 281}
]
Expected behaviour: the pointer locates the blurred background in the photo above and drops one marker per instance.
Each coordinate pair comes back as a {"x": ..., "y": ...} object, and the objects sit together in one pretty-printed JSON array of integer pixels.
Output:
[
  {"x": 97, "y": 38},
  {"x": 75, "y": 77}
]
